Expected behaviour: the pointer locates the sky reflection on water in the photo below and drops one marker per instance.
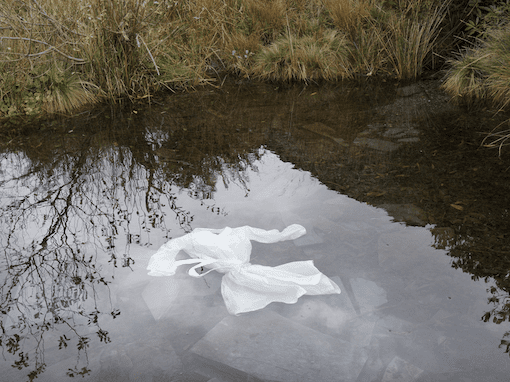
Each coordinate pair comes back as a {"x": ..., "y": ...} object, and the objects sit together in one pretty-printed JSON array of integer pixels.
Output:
[{"x": 84, "y": 208}]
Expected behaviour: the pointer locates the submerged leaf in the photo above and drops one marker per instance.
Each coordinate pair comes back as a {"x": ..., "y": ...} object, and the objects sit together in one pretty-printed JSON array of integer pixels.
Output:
[{"x": 457, "y": 207}]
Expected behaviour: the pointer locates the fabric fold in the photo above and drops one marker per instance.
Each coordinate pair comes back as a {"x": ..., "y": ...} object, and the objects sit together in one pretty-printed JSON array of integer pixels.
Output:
[{"x": 245, "y": 287}]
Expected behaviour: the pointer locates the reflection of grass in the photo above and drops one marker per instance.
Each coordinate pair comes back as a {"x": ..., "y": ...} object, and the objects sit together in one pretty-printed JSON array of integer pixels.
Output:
[
  {"x": 498, "y": 138},
  {"x": 64, "y": 54}
]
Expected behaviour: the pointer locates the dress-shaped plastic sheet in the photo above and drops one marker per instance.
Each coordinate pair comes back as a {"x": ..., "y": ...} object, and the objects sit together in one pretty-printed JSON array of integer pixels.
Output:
[{"x": 245, "y": 287}]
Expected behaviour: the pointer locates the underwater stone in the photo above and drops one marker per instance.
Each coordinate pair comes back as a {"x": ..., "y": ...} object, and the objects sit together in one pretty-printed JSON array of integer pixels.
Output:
[
  {"x": 269, "y": 346},
  {"x": 407, "y": 91},
  {"x": 400, "y": 370},
  {"x": 409, "y": 140},
  {"x": 376, "y": 144},
  {"x": 368, "y": 294}
]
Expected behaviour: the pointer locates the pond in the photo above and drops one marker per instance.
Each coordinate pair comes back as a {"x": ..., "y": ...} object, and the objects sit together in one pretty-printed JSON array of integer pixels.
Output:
[{"x": 402, "y": 208}]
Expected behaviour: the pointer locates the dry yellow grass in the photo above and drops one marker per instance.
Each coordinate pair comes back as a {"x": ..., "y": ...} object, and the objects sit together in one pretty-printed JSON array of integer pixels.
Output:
[
  {"x": 481, "y": 75},
  {"x": 61, "y": 55},
  {"x": 348, "y": 15},
  {"x": 412, "y": 38},
  {"x": 304, "y": 58}
]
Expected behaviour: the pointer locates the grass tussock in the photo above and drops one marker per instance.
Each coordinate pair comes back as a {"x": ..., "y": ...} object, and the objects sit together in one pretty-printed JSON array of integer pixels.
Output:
[
  {"x": 499, "y": 137},
  {"x": 412, "y": 38},
  {"x": 304, "y": 58},
  {"x": 62, "y": 54},
  {"x": 348, "y": 15},
  {"x": 482, "y": 73}
]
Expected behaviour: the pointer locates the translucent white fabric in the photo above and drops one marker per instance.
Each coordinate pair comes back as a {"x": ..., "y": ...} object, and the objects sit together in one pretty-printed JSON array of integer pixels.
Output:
[{"x": 245, "y": 287}]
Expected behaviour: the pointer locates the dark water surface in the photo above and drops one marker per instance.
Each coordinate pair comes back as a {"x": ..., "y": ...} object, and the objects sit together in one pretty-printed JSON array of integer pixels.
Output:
[{"x": 403, "y": 210}]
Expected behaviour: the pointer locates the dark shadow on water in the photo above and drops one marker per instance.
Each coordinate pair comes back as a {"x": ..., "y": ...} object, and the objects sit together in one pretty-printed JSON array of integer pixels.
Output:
[{"x": 73, "y": 189}]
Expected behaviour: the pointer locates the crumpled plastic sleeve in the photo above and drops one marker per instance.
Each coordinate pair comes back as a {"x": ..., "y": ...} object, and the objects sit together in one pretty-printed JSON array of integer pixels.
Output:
[{"x": 245, "y": 287}]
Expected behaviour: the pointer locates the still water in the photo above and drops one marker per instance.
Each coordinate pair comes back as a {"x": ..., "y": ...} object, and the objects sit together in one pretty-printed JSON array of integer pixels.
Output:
[{"x": 403, "y": 211}]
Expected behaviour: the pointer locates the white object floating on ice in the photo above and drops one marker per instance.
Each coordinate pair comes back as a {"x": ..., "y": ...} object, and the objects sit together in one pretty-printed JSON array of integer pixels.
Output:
[{"x": 245, "y": 287}]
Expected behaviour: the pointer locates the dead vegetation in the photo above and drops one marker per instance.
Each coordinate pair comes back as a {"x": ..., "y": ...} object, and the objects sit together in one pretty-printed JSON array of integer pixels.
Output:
[{"x": 58, "y": 56}]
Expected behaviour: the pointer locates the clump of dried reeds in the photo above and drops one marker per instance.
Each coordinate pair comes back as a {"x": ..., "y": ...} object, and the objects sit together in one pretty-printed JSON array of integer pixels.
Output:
[
  {"x": 411, "y": 37},
  {"x": 39, "y": 54},
  {"x": 304, "y": 58},
  {"x": 482, "y": 73},
  {"x": 62, "y": 55}
]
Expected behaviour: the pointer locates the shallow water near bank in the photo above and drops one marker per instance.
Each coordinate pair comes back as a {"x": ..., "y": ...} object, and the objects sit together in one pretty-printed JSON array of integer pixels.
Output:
[{"x": 402, "y": 209}]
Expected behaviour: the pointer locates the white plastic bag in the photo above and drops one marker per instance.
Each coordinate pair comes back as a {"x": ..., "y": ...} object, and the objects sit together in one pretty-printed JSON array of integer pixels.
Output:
[{"x": 245, "y": 287}]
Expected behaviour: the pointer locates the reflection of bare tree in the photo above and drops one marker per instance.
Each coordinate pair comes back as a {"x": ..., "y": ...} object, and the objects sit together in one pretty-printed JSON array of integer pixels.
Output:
[
  {"x": 72, "y": 202},
  {"x": 49, "y": 280},
  {"x": 500, "y": 312},
  {"x": 485, "y": 258}
]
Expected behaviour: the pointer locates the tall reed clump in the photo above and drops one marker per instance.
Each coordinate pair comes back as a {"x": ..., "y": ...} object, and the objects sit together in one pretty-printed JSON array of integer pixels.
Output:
[
  {"x": 349, "y": 15},
  {"x": 304, "y": 58},
  {"x": 412, "y": 33},
  {"x": 252, "y": 25},
  {"x": 361, "y": 21},
  {"x": 190, "y": 41},
  {"x": 135, "y": 46},
  {"x": 61, "y": 54},
  {"x": 115, "y": 61},
  {"x": 482, "y": 73},
  {"x": 302, "y": 47},
  {"x": 388, "y": 37}
]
